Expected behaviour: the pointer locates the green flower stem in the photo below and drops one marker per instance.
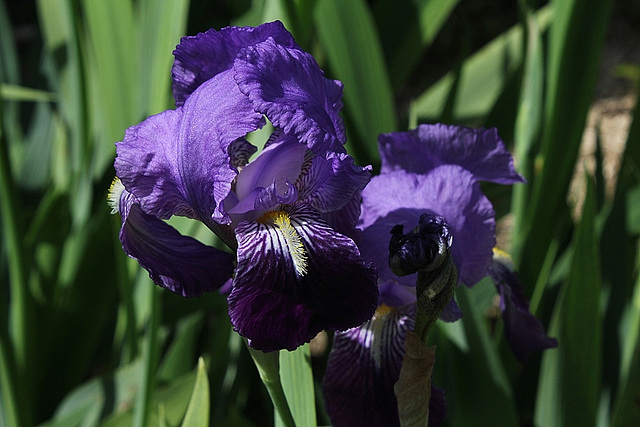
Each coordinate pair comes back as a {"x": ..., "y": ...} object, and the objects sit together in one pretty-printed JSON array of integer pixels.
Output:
[
  {"x": 268, "y": 365},
  {"x": 434, "y": 290},
  {"x": 147, "y": 383}
]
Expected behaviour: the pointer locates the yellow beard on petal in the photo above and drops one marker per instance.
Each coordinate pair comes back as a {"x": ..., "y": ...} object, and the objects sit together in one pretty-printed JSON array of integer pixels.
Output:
[
  {"x": 294, "y": 242},
  {"x": 113, "y": 196}
]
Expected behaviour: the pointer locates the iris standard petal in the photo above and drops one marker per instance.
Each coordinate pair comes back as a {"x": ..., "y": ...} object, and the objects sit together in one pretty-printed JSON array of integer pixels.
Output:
[
  {"x": 176, "y": 162},
  {"x": 198, "y": 58},
  {"x": 481, "y": 151},
  {"x": 449, "y": 191},
  {"x": 525, "y": 333},
  {"x": 176, "y": 262},
  {"x": 281, "y": 162},
  {"x": 332, "y": 181},
  {"x": 290, "y": 89},
  {"x": 296, "y": 277}
]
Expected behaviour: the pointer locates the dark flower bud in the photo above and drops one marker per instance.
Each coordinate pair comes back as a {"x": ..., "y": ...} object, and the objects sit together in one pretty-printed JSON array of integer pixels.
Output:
[{"x": 423, "y": 248}]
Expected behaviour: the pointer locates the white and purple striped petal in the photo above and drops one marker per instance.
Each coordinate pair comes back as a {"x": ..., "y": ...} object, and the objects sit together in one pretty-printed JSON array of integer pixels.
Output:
[
  {"x": 296, "y": 277},
  {"x": 480, "y": 151},
  {"x": 363, "y": 366}
]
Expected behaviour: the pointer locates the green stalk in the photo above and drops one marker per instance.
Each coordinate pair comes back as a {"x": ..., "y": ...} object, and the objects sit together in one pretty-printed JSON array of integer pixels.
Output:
[
  {"x": 147, "y": 383},
  {"x": 268, "y": 365},
  {"x": 20, "y": 327}
]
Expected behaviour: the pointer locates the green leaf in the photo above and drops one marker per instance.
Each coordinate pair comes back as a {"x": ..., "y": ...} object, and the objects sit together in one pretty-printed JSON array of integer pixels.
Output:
[
  {"x": 348, "y": 36},
  {"x": 571, "y": 395},
  {"x": 481, "y": 80},
  {"x": 297, "y": 382},
  {"x": 404, "y": 44},
  {"x": 577, "y": 32},
  {"x": 626, "y": 411},
  {"x": 198, "y": 410},
  {"x": 10, "y": 92},
  {"x": 483, "y": 390}
]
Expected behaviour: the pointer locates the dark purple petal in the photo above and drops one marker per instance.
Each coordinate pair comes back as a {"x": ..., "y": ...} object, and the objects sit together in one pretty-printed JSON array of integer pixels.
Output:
[
  {"x": 176, "y": 262},
  {"x": 363, "y": 366},
  {"x": 448, "y": 191},
  {"x": 480, "y": 151},
  {"x": 524, "y": 332},
  {"x": 240, "y": 151},
  {"x": 395, "y": 294},
  {"x": 333, "y": 181},
  {"x": 176, "y": 162},
  {"x": 280, "y": 300},
  {"x": 437, "y": 406},
  {"x": 290, "y": 89},
  {"x": 451, "y": 312},
  {"x": 199, "y": 58}
]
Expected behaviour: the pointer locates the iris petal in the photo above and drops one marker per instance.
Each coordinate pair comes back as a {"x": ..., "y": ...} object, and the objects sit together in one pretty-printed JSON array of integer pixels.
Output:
[
  {"x": 176, "y": 162},
  {"x": 448, "y": 191},
  {"x": 199, "y": 58},
  {"x": 525, "y": 333},
  {"x": 290, "y": 89},
  {"x": 480, "y": 151},
  {"x": 176, "y": 262},
  {"x": 363, "y": 367},
  {"x": 277, "y": 307},
  {"x": 333, "y": 181}
]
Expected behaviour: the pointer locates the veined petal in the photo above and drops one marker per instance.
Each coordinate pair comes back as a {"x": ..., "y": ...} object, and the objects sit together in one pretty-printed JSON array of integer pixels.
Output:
[
  {"x": 448, "y": 191},
  {"x": 176, "y": 262},
  {"x": 524, "y": 332},
  {"x": 240, "y": 151},
  {"x": 288, "y": 86},
  {"x": 176, "y": 162},
  {"x": 480, "y": 151},
  {"x": 363, "y": 367},
  {"x": 332, "y": 181},
  {"x": 281, "y": 162},
  {"x": 199, "y": 58},
  {"x": 296, "y": 277}
]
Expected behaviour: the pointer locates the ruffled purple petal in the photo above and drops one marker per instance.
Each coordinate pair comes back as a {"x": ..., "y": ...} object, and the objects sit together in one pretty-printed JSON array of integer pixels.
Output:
[
  {"x": 480, "y": 151},
  {"x": 276, "y": 303},
  {"x": 176, "y": 262},
  {"x": 332, "y": 182},
  {"x": 176, "y": 162},
  {"x": 290, "y": 89},
  {"x": 448, "y": 191},
  {"x": 199, "y": 58},
  {"x": 524, "y": 332}
]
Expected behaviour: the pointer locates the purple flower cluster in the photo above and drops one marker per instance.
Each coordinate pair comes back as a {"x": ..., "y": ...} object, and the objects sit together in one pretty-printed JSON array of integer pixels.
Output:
[
  {"x": 292, "y": 214},
  {"x": 430, "y": 174},
  {"x": 289, "y": 214}
]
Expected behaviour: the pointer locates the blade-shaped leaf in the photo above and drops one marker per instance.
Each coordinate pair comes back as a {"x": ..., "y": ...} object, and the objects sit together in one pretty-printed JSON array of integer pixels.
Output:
[{"x": 348, "y": 36}]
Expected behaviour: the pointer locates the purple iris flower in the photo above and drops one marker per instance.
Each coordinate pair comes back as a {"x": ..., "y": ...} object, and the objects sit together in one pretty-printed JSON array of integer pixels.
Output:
[
  {"x": 434, "y": 170},
  {"x": 289, "y": 214}
]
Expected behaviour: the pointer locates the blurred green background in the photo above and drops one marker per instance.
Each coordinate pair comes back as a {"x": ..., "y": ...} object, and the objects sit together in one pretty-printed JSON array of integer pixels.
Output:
[{"x": 86, "y": 338}]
